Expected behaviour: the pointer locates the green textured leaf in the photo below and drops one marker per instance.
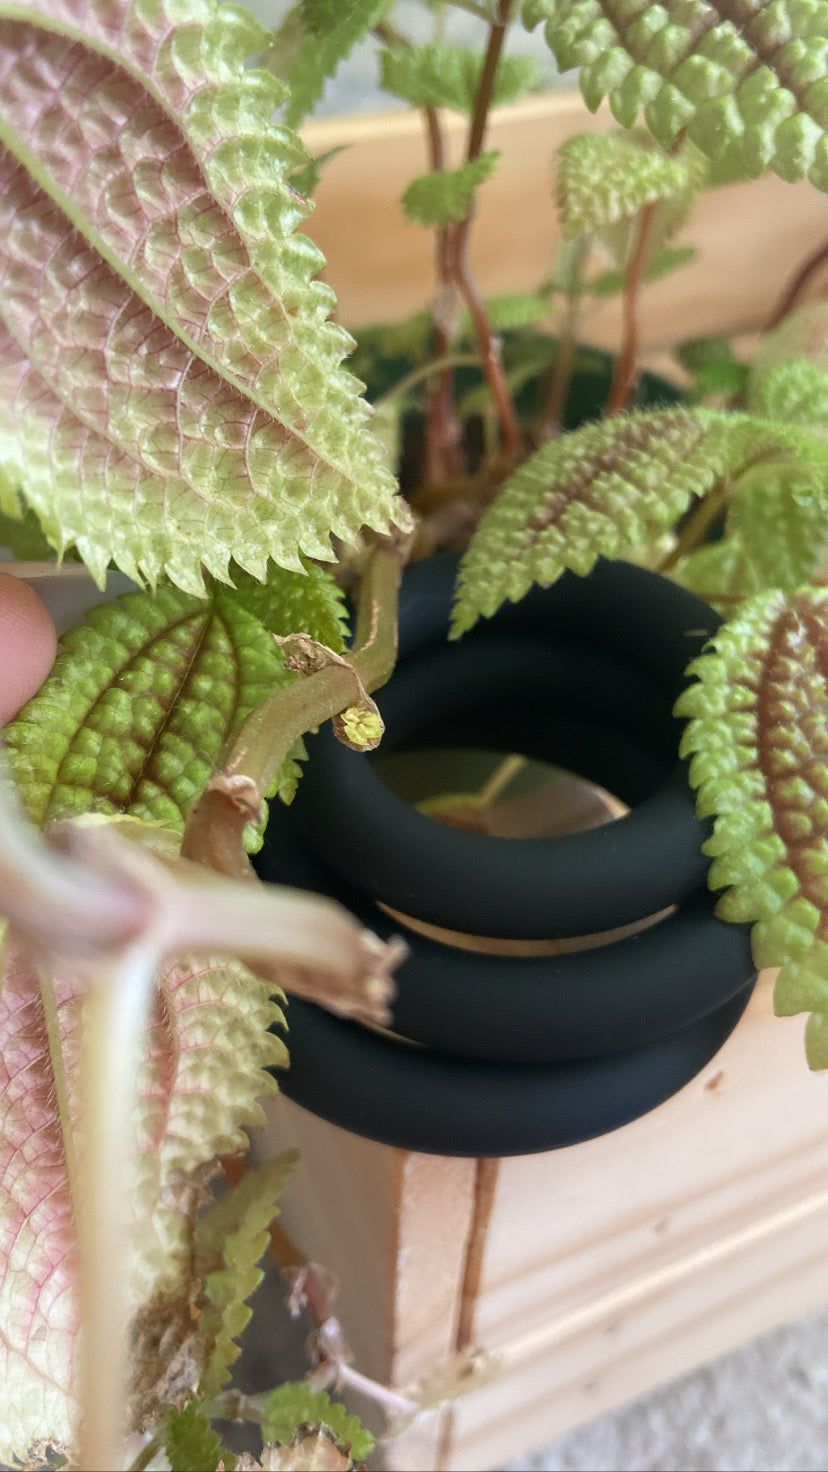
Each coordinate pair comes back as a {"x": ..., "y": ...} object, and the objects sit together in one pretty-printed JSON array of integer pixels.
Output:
[
  {"x": 138, "y": 708},
  {"x": 789, "y": 375},
  {"x": 751, "y": 77},
  {"x": 230, "y": 1239},
  {"x": 611, "y": 486},
  {"x": 758, "y": 736},
  {"x": 449, "y": 76},
  {"x": 293, "y": 1405},
  {"x": 25, "y": 537},
  {"x": 796, "y": 392},
  {"x": 672, "y": 258},
  {"x": 172, "y": 390},
  {"x": 714, "y": 366},
  {"x": 292, "y": 602},
  {"x": 603, "y": 489},
  {"x": 776, "y": 522},
  {"x": 603, "y": 178},
  {"x": 191, "y": 1443},
  {"x": 445, "y": 197},
  {"x": 330, "y": 31}
]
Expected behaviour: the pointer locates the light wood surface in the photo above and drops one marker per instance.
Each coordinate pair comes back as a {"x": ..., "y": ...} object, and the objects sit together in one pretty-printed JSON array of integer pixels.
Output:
[
  {"x": 749, "y": 237},
  {"x": 603, "y": 1269}
]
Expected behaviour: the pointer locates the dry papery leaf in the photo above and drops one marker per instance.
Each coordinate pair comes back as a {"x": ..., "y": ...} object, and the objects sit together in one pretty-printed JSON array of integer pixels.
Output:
[{"x": 312, "y": 1449}]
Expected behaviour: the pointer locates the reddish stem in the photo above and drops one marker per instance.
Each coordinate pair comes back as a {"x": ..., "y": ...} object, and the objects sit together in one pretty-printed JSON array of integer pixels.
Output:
[
  {"x": 793, "y": 292},
  {"x": 488, "y": 344},
  {"x": 443, "y": 450},
  {"x": 626, "y": 367}
]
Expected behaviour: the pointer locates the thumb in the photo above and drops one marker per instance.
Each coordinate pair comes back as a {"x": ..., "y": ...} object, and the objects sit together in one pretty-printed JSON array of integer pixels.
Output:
[{"x": 28, "y": 644}]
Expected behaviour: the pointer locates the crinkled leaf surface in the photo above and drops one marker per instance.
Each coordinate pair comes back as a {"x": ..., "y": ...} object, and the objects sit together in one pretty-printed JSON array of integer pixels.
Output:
[
  {"x": 445, "y": 197},
  {"x": 796, "y": 391},
  {"x": 290, "y": 603},
  {"x": 203, "y": 1071},
  {"x": 609, "y": 487},
  {"x": 38, "y": 1307},
  {"x": 602, "y": 489},
  {"x": 138, "y": 708},
  {"x": 437, "y": 75},
  {"x": 602, "y": 178},
  {"x": 759, "y": 739},
  {"x": 750, "y": 74},
  {"x": 229, "y": 1241},
  {"x": 291, "y": 1405},
  {"x": 171, "y": 390}
]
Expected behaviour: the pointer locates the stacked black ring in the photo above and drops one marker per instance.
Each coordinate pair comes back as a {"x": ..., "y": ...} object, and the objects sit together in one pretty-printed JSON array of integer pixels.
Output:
[{"x": 513, "y": 1055}]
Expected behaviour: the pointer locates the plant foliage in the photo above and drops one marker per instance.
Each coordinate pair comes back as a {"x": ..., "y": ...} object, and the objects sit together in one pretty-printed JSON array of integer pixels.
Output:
[
  {"x": 449, "y": 76},
  {"x": 140, "y": 705},
  {"x": 230, "y": 1239},
  {"x": 317, "y": 36},
  {"x": 191, "y": 1443},
  {"x": 603, "y": 178},
  {"x": 758, "y": 736},
  {"x": 445, "y": 196},
  {"x": 750, "y": 76},
  {"x": 172, "y": 394},
  {"x": 291, "y": 1406}
]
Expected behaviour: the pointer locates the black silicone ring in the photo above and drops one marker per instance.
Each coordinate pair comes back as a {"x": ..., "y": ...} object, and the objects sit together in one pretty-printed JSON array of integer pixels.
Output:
[
  {"x": 521, "y": 888},
  {"x": 541, "y": 1009},
  {"x": 417, "y": 1100}
]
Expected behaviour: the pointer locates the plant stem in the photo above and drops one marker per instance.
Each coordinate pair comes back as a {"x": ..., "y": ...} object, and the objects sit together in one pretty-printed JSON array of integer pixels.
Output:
[
  {"x": 443, "y": 448},
  {"x": 626, "y": 366},
  {"x": 146, "y": 1454},
  {"x": 461, "y": 270},
  {"x": 795, "y": 288},
  {"x": 552, "y": 417},
  {"x": 694, "y": 531}
]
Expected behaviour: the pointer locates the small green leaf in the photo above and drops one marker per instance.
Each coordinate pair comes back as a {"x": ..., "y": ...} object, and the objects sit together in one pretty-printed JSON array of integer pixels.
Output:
[
  {"x": 292, "y": 602},
  {"x": 139, "y": 706},
  {"x": 230, "y": 1239},
  {"x": 191, "y": 1443},
  {"x": 294, "y": 1405},
  {"x": 329, "y": 32},
  {"x": 789, "y": 375},
  {"x": 517, "y": 309},
  {"x": 445, "y": 196},
  {"x": 603, "y": 178},
  {"x": 796, "y": 392},
  {"x": 449, "y": 76},
  {"x": 758, "y": 737},
  {"x": 25, "y": 537},
  {"x": 715, "y": 369}
]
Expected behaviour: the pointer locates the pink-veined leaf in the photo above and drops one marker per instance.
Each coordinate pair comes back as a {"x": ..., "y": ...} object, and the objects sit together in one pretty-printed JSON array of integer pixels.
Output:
[
  {"x": 202, "y": 1074},
  {"x": 171, "y": 390}
]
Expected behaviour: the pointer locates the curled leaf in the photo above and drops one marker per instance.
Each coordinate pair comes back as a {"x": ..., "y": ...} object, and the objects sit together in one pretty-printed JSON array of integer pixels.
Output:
[{"x": 445, "y": 197}]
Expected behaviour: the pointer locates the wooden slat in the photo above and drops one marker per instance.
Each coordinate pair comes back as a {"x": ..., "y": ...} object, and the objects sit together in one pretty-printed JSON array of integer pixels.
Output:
[
  {"x": 749, "y": 236},
  {"x": 628, "y": 1260}
]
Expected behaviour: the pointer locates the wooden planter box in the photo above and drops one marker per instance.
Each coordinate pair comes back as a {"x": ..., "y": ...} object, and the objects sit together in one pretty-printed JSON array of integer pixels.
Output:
[{"x": 590, "y": 1274}]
